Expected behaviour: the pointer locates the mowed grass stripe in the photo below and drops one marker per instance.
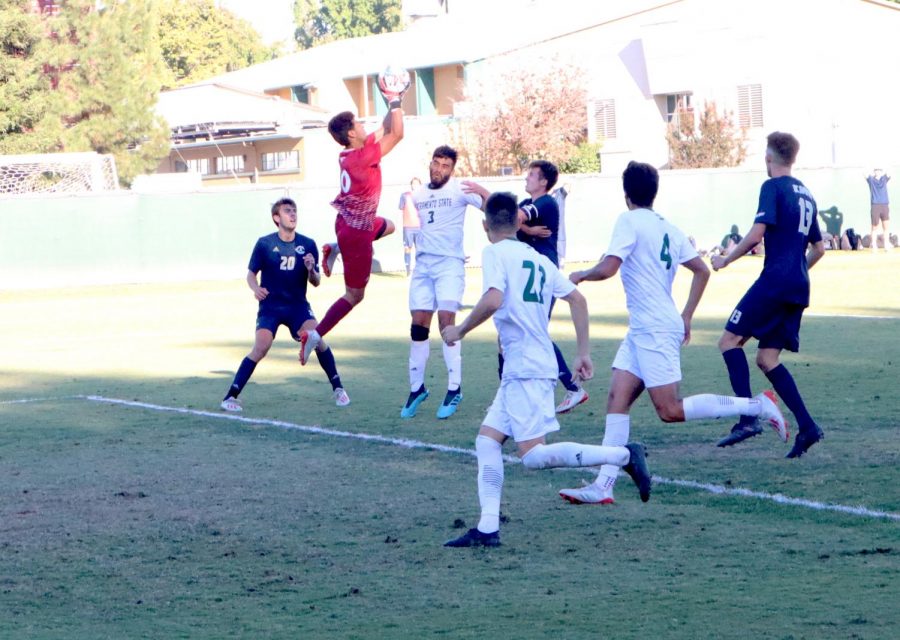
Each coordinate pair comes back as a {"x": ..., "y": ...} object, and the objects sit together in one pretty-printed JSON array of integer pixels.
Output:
[{"x": 778, "y": 498}]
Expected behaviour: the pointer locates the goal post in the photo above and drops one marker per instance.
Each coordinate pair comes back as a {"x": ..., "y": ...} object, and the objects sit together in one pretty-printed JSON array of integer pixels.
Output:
[{"x": 57, "y": 173}]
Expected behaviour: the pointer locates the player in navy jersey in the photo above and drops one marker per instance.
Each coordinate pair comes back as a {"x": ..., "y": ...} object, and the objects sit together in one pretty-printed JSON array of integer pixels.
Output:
[
  {"x": 287, "y": 262},
  {"x": 772, "y": 308}
]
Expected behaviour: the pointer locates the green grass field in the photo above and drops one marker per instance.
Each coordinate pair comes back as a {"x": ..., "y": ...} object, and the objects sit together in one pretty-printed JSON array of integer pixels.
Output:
[{"x": 130, "y": 507}]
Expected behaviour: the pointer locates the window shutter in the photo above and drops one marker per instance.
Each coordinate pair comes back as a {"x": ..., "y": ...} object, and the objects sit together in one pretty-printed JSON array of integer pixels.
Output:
[{"x": 750, "y": 108}]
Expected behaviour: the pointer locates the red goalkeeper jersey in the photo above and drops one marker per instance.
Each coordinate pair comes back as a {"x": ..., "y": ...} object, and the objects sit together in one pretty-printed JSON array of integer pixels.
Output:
[{"x": 357, "y": 202}]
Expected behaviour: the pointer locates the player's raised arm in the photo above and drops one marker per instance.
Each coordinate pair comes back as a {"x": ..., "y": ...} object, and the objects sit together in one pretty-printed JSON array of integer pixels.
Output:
[
  {"x": 473, "y": 187},
  {"x": 393, "y": 83}
]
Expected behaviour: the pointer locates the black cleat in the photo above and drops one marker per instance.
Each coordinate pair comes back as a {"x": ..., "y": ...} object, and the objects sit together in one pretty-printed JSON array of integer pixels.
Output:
[
  {"x": 803, "y": 441},
  {"x": 475, "y": 538},
  {"x": 741, "y": 432},
  {"x": 637, "y": 469}
]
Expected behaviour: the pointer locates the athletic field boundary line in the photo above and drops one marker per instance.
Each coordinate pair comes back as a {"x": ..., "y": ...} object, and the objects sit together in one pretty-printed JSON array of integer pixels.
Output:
[{"x": 416, "y": 444}]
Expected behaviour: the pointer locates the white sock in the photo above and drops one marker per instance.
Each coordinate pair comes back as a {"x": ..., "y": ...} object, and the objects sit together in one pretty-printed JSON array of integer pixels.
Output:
[
  {"x": 453, "y": 359},
  {"x": 616, "y": 434},
  {"x": 574, "y": 454},
  {"x": 708, "y": 405},
  {"x": 490, "y": 482},
  {"x": 418, "y": 358}
]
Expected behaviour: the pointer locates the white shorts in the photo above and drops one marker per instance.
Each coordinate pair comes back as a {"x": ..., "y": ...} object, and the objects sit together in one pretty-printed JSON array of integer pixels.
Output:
[
  {"x": 437, "y": 283},
  {"x": 655, "y": 358},
  {"x": 523, "y": 409}
]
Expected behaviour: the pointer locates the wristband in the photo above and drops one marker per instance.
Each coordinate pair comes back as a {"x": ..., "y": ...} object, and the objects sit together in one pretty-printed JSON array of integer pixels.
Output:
[{"x": 395, "y": 103}]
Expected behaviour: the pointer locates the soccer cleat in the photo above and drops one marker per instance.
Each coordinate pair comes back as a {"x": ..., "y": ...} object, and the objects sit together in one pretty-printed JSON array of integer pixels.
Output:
[
  {"x": 341, "y": 398},
  {"x": 803, "y": 441},
  {"x": 412, "y": 403},
  {"x": 739, "y": 433},
  {"x": 772, "y": 414},
  {"x": 475, "y": 538},
  {"x": 451, "y": 402},
  {"x": 309, "y": 340},
  {"x": 329, "y": 255},
  {"x": 590, "y": 494},
  {"x": 232, "y": 405},
  {"x": 572, "y": 400},
  {"x": 637, "y": 469}
]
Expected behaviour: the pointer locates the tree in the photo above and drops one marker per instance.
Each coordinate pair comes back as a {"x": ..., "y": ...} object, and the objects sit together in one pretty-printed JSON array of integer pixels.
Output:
[
  {"x": 519, "y": 112},
  {"x": 28, "y": 118},
  {"x": 198, "y": 41},
  {"x": 108, "y": 70},
  {"x": 320, "y": 21},
  {"x": 715, "y": 142}
]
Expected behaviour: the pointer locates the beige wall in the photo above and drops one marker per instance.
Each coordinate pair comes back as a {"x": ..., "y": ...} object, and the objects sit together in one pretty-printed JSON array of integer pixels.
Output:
[
  {"x": 448, "y": 88},
  {"x": 252, "y": 152}
]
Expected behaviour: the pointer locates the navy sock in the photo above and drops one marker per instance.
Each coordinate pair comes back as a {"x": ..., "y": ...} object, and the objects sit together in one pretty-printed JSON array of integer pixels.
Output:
[
  {"x": 739, "y": 374},
  {"x": 326, "y": 361},
  {"x": 565, "y": 374},
  {"x": 786, "y": 388},
  {"x": 240, "y": 378}
]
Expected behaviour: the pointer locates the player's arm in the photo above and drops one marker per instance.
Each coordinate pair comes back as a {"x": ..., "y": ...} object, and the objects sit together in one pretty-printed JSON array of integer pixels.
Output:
[
  {"x": 539, "y": 231},
  {"x": 753, "y": 238},
  {"x": 484, "y": 309},
  {"x": 698, "y": 285},
  {"x": 391, "y": 131},
  {"x": 259, "y": 292},
  {"x": 473, "y": 187},
  {"x": 582, "y": 366},
  {"x": 815, "y": 253},
  {"x": 606, "y": 268},
  {"x": 310, "y": 263}
]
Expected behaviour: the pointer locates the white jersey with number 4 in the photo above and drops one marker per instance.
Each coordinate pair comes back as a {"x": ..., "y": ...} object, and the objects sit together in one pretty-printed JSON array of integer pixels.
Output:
[
  {"x": 528, "y": 282},
  {"x": 442, "y": 213},
  {"x": 651, "y": 248}
]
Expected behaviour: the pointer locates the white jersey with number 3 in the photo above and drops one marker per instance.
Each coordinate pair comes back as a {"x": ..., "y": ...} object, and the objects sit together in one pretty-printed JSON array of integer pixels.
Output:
[
  {"x": 442, "y": 213},
  {"x": 528, "y": 282},
  {"x": 651, "y": 248}
]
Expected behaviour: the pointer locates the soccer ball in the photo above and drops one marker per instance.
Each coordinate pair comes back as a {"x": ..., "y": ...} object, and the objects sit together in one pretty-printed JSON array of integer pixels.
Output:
[{"x": 393, "y": 82}]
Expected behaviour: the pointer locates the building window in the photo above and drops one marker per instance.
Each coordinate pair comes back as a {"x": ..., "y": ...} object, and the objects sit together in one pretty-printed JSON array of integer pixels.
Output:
[
  {"x": 676, "y": 102},
  {"x": 229, "y": 164},
  {"x": 603, "y": 119},
  {"x": 750, "y": 106},
  {"x": 197, "y": 165},
  {"x": 300, "y": 94},
  {"x": 280, "y": 160}
]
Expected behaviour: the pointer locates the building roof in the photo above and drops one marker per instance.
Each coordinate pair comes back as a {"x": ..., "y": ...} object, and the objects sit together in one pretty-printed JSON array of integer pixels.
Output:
[{"x": 443, "y": 40}]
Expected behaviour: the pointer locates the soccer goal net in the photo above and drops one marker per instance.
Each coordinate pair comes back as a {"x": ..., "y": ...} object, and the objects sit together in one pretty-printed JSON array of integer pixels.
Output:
[{"x": 57, "y": 173}]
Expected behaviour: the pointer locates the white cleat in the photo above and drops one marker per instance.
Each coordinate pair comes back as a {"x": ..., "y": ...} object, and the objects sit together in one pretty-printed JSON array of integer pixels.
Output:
[
  {"x": 772, "y": 414},
  {"x": 232, "y": 405},
  {"x": 309, "y": 340},
  {"x": 590, "y": 494},
  {"x": 572, "y": 400},
  {"x": 341, "y": 398}
]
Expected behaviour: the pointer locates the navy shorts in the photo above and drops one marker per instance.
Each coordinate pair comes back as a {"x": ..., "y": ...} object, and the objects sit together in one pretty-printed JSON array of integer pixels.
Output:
[
  {"x": 291, "y": 317},
  {"x": 769, "y": 319}
]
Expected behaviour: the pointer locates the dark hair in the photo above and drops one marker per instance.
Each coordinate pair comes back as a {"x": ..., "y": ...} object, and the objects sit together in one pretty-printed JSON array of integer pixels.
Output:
[
  {"x": 548, "y": 171},
  {"x": 444, "y": 151},
  {"x": 501, "y": 211},
  {"x": 641, "y": 182},
  {"x": 784, "y": 147},
  {"x": 340, "y": 126},
  {"x": 280, "y": 202}
]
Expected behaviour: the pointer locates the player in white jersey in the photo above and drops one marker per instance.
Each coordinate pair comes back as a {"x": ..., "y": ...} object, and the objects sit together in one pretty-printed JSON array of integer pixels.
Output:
[
  {"x": 519, "y": 284},
  {"x": 647, "y": 249},
  {"x": 439, "y": 277}
]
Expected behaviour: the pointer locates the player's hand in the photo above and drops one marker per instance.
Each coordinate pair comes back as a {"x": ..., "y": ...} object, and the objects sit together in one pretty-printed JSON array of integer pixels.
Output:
[
  {"x": 576, "y": 277},
  {"x": 261, "y": 293},
  {"x": 309, "y": 262},
  {"x": 539, "y": 231},
  {"x": 473, "y": 187},
  {"x": 687, "y": 330},
  {"x": 583, "y": 367},
  {"x": 717, "y": 262},
  {"x": 451, "y": 334}
]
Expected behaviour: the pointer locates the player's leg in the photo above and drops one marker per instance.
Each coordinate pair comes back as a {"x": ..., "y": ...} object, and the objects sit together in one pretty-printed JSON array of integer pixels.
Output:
[
  {"x": 876, "y": 222},
  {"x": 449, "y": 286},
  {"x": 383, "y": 227},
  {"x": 767, "y": 359},
  {"x": 885, "y": 226},
  {"x": 731, "y": 347},
  {"x": 408, "y": 243},
  {"x": 265, "y": 334},
  {"x": 575, "y": 394},
  {"x": 489, "y": 452},
  {"x": 326, "y": 360},
  {"x": 419, "y": 350}
]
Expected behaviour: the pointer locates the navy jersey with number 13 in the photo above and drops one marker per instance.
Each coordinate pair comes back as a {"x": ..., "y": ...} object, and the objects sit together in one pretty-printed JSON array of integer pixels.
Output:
[{"x": 789, "y": 212}]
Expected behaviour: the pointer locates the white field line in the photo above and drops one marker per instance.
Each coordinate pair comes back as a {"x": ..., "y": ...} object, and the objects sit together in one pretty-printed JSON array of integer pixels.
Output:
[
  {"x": 30, "y": 400},
  {"x": 415, "y": 444}
]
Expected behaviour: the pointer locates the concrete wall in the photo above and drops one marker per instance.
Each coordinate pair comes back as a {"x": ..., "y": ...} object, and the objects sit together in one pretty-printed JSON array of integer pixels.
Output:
[{"x": 130, "y": 237}]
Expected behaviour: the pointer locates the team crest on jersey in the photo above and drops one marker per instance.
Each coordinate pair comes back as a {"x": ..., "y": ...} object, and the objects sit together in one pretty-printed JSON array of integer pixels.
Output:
[{"x": 301, "y": 250}]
